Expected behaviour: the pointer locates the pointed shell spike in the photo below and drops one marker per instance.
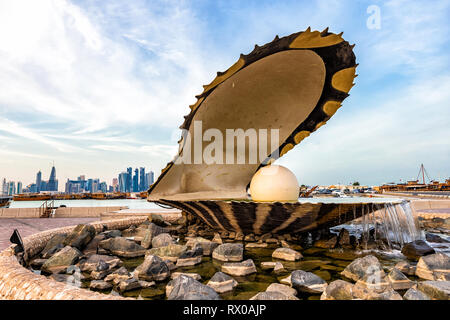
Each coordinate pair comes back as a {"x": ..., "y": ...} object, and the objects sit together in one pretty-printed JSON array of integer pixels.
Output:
[
  {"x": 325, "y": 30},
  {"x": 309, "y": 29}
]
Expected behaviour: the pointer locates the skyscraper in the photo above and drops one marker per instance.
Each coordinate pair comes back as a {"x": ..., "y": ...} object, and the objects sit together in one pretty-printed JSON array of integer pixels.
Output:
[
  {"x": 123, "y": 176},
  {"x": 52, "y": 182},
  {"x": 129, "y": 178},
  {"x": 4, "y": 187},
  {"x": 142, "y": 186},
  {"x": 149, "y": 179},
  {"x": 38, "y": 181},
  {"x": 136, "y": 180},
  {"x": 19, "y": 187}
]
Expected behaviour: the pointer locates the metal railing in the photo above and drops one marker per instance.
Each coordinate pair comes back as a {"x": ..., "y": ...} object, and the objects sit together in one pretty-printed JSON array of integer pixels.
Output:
[{"x": 46, "y": 208}]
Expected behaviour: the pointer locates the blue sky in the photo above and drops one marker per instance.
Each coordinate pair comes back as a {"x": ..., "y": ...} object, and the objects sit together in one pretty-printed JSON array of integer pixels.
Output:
[{"x": 97, "y": 86}]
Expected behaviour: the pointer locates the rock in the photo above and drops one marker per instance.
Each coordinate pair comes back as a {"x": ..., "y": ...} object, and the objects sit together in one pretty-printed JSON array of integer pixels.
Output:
[
  {"x": 169, "y": 288},
  {"x": 59, "y": 262},
  {"x": 157, "y": 219},
  {"x": 171, "y": 252},
  {"x": 118, "y": 275},
  {"x": 249, "y": 237},
  {"x": 162, "y": 240},
  {"x": 207, "y": 245},
  {"x": 399, "y": 281},
  {"x": 286, "y": 254},
  {"x": 416, "y": 249},
  {"x": 376, "y": 281},
  {"x": 196, "y": 276},
  {"x": 153, "y": 268},
  {"x": 256, "y": 245},
  {"x": 433, "y": 266},
  {"x": 37, "y": 263},
  {"x": 265, "y": 236},
  {"x": 150, "y": 232},
  {"x": 430, "y": 237},
  {"x": 406, "y": 268},
  {"x": 272, "y": 240},
  {"x": 436, "y": 290},
  {"x": 170, "y": 264},
  {"x": 239, "y": 268},
  {"x": 187, "y": 288},
  {"x": 92, "y": 247},
  {"x": 326, "y": 243},
  {"x": 129, "y": 285},
  {"x": 276, "y": 266},
  {"x": 229, "y": 252},
  {"x": 80, "y": 236},
  {"x": 343, "y": 239},
  {"x": 100, "y": 285},
  {"x": 282, "y": 288},
  {"x": 111, "y": 234},
  {"x": 92, "y": 263},
  {"x": 222, "y": 282},
  {"x": 413, "y": 294},
  {"x": 286, "y": 280},
  {"x": 361, "y": 267},
  {"x": 307, "y": 282},
  {"x": 338, "y": 290},
  {"x": 217, "y": 238},
  {"x": 146, "y": 284},
  {"x": 273, "y": 295},
  {"x": 53, "y": 245},
  {"x": 239, "y": 236},
  {"x": 122, "y": 247}
]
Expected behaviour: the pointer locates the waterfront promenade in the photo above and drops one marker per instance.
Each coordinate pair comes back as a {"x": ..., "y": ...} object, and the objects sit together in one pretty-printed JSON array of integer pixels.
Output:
[{"x": 29, "y": 226}]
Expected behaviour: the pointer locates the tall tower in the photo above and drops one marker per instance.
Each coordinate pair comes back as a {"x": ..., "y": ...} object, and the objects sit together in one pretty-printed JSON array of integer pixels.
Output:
[
  {"x": 38, "y": 181},
  {"x": 136, "y": 180},
  {"x": 52, "y": 182},
  {"x": 128, "y": 186},
  {"x": 142, "y": 186}
]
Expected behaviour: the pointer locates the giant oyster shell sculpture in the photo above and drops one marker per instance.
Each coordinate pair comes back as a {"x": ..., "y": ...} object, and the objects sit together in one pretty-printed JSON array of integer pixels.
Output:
[{"x": 294, "y": 84}]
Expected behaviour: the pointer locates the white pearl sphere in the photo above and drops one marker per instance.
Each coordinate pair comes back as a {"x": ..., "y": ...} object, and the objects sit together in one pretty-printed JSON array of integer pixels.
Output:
[{"x": 274, "y": 183}]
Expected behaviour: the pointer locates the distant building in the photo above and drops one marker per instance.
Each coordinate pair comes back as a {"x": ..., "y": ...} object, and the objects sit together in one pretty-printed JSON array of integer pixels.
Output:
[
  {"x": 4, "y": 187},
  {"x": 19, "y": 187},
  {"x": 11, "y": 188},
  {"x": 123, "y": 177},
  {"x": 52, "y": 184},
  {"x": 142, "y": 186},
  {"x": 136, "y": 180},
  {"x": 149, "y": 179},
  {"x": 38, "y": 181},
  {"x": 103, "y": 187},
  {"x": 129, "y": 179},
  {"x": 115, "y": 185}
]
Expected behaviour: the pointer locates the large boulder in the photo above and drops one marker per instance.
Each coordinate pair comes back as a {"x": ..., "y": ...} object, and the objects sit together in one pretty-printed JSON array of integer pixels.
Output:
[
  {"x": 416, "y": 249},
  {"x": 361, "y": 267},
  {"x": 338, "y": 290},
  {"x": 129, "y": 285},
  {"x": 59, "y": 262},
  {"x": 55, "y": 244},
  {"x": 118, "y": 275},
  {"x": 187, "y": 288},
  {"x": 207, "y": 245},
  {"x": 285, "y": 289},
  {"x": 275, "y": 266},
  {"x": 326, "y": 243},
  {"x": 196, "y": 276},
  {"x": 229, "y": 252},
  {"x": 222, "y": 282},
  {"x": 399, "y": 281},
  {"x": 239, "y": 268},
  {"x": 94, "y": 262},
  {"x": 307, "y": 282},
  {"x": 151, "y": 231},
  {"x": 92, "y": 247},
  {"x": 153, "y": 268},
  {"x": 122, "y": 247},
  {"x": 80, "y": 236},
  {"x": 414, "y": 294},
  {"x": 171, "y": 252},
  {"x": 286, "y": 254},
  {"x": 433, "y": 267},
  {"x": 162, "y": 240},
  {"x": 190, "y": 257},
  {"x": 364, "y": 292},
  {"x": 437, "y": 290},
  {"x": 406, "y": 268}
]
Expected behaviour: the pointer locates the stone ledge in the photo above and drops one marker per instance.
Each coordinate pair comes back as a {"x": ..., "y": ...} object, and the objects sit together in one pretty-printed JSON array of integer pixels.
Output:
[{"x": 19, "y": 283}]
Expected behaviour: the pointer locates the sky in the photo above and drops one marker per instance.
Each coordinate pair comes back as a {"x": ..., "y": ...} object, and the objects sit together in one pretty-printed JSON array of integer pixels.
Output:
[{"x": 97, "y": 86}]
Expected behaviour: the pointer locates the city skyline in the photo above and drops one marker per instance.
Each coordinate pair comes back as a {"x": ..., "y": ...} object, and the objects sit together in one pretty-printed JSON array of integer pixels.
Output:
[
  {"x": 152, "y": 58},
  {"x": 52, "y": 184}
]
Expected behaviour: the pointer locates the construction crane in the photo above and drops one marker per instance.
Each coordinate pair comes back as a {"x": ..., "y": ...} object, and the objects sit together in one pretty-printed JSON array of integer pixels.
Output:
[{"x": 423, "y": 173}]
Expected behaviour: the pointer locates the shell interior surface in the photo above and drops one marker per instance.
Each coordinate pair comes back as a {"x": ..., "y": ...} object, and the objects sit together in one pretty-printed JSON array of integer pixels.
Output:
[{"x": 287, "y": 88}]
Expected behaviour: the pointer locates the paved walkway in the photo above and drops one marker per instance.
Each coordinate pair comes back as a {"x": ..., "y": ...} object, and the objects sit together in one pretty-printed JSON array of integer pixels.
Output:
[{"x": 28, "y": 227}]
